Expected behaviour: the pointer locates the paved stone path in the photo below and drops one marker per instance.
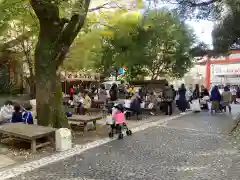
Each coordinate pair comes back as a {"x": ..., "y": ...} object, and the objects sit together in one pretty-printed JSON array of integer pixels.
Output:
[{"x": 192, "y": 147}]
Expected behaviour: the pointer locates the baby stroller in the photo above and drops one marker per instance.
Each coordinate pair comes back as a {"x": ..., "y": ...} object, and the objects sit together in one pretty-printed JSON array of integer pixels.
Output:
[{"x": 116, "y": 128}]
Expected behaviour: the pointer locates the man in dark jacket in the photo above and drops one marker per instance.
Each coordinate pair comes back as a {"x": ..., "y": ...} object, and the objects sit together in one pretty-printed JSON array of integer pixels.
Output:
[
  {"x": 168, "y": 99},
  {"x": 113, "y": 92},
  {"x": 174, "y": 92}
]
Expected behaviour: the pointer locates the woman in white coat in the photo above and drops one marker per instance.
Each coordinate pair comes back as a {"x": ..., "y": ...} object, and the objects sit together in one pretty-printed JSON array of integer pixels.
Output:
[{"x": 6, "y": 112}]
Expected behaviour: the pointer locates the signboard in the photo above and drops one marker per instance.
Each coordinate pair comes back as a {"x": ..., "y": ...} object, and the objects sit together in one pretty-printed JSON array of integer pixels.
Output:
[
  {"x": 226, "y": 69},
  {"x": 121, "y": 71}
]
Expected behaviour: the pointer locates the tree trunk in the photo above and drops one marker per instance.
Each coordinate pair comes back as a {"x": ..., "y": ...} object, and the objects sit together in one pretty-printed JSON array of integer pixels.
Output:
[
  {"x": 48, "y": 89},
  {"x": 55, "y": 37},
  {"x": 50, "y": 111},
  {"x": 31, "y": 80},
  {"x": 32, "y": 86}
]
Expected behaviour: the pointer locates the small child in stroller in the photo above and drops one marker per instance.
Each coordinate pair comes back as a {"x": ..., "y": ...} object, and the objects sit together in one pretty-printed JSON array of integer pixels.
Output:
[{"x": 117, "y": 121}]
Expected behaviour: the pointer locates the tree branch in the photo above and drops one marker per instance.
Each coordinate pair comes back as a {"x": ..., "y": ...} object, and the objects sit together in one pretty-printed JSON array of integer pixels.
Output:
[
  {"x": 70, "y": 31},
  {"x": 99, "y": 7},
  {"x": 193, "y": 3},
  {"x": 206, "y": 3}
]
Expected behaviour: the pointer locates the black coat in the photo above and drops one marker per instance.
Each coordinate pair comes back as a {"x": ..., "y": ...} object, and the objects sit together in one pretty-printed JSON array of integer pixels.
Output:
[
  {"x": 136, "y": 105},
  {"x": 113, "y": 94}
]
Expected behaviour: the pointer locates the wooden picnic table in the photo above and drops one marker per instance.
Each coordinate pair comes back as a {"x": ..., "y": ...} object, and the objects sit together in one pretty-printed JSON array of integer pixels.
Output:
[
  {"x": 97, "y": 103},
  {"x": 84, "y": 119},
  {"x": 30, "y": 133}
]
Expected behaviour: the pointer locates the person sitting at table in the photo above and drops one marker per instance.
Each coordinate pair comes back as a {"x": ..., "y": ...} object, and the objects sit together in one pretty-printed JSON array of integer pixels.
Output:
[
  {"x": 87, "y": 103},
  {"x": 17, "y": 114},
  {"x": 27, "y": 115},
  {"x": 76, "y": 99},
  {"x": 102, "y": 95},
  {"x": 71, "y": 92},
  {"x": 127, "y": 103},
  {"x": 131, "y": 90},
  {"x": 6, "y": 112},
  {"x": 152, "y": 103},
  {"x": 113, "y": 92}
]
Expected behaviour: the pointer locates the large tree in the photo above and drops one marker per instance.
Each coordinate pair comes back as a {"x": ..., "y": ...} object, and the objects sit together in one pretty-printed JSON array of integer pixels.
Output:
[
  {"x": 59, "y": 24},
  {"x": 55, "y": 37},
  {"x": 157, "y": 47},
  {"x": 168, "y": 46},
  {"x": 121, "y": 46}
]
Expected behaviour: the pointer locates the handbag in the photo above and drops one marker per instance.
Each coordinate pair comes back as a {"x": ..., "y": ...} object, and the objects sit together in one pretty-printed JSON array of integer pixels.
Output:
[
  {"x": 109, "y": 120},
  {"x": 177, "y": 97},
  {"x": 209, "y": 105},
  {"x": 143, "y": 105},
  {"x": 150, "y": 106}
]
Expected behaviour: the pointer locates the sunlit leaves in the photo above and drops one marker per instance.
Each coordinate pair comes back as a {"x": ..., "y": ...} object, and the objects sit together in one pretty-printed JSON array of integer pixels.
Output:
[
  {"x": 10, "y": 10},
  {"x": 152, "y": 47}
]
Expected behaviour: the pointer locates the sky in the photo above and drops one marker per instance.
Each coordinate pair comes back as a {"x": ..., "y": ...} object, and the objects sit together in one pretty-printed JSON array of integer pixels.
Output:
[{"x": 203, "y": 30}]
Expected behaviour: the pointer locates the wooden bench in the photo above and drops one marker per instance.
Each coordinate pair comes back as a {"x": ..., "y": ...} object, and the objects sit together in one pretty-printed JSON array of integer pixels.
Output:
[
  {"x": 97, "y": 104},
  {"x": 83, "y": 120},
  {"x": 93, "y": 110},
  {"x": 29, "y": 133}
]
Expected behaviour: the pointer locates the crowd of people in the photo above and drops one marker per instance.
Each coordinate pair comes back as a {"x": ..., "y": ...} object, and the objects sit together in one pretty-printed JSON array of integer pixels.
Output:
[
  {"x": 214, "y": 100},
  {"x": 134, "y": 99}
]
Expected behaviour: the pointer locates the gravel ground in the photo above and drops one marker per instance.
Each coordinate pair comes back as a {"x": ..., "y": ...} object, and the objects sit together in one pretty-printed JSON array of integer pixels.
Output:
[{"x": 193, "y": 147}]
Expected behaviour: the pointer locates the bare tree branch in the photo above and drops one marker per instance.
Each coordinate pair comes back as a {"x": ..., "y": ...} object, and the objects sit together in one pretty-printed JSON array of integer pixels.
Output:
[
  {"x": 105, "y": 5},
  {"x": 206, "y": 3},
  {"x": 192, "y": 3}
]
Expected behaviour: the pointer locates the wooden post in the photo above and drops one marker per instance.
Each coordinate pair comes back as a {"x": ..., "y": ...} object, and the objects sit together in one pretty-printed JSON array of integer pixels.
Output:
[{"x": 208, "y": 74}]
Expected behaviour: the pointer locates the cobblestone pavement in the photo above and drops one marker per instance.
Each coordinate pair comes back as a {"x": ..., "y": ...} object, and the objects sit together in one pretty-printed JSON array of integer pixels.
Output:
[{"x": 192, "y": 147}]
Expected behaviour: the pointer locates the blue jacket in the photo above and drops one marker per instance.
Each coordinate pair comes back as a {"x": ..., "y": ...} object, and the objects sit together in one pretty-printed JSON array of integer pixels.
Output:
[
  {"x": 27, "y": 117},
  {"x": 215, "y": 95}
]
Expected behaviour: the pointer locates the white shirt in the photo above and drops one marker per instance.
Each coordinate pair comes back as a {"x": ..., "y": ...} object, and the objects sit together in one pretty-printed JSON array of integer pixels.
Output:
[
  {"x": 6, "y": 112},
  {"x": 127, "y": 103},
  {"x": 234, "y": 92},
  {"x": 221, "y": 91}
]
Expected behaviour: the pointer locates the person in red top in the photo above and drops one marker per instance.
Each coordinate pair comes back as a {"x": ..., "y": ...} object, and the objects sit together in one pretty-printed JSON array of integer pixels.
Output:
[{"x": 71, "y": 93}]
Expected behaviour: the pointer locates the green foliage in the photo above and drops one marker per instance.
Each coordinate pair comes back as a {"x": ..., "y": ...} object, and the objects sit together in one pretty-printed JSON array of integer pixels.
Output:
[
  {"x": 226, "y": 33},
  {"x": 84, "y": 51},
  {"x": 171, "y": 40},
  {"x": 201, "y": 49},
  {"x": 159, "y": 47},
  {"x": 10, "y": 10}
]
